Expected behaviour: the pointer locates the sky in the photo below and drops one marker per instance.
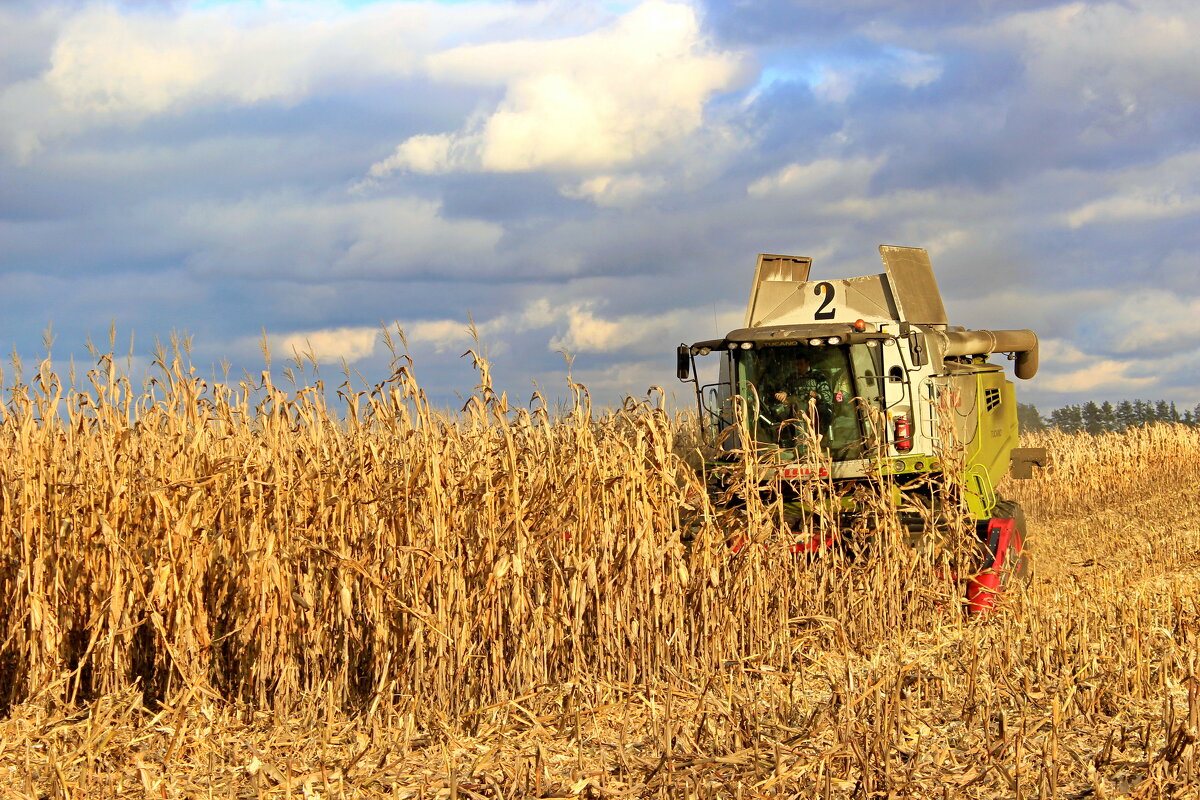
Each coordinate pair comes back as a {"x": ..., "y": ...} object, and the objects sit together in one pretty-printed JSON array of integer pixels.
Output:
[{"x": 588, "y": 183}]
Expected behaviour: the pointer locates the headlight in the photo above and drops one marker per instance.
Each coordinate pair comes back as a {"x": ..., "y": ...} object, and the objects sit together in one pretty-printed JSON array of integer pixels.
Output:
[
  {"x": 834, "y": 340},
  {"x": 816, "y": 342},
  {"x": 746, "y": 345}
]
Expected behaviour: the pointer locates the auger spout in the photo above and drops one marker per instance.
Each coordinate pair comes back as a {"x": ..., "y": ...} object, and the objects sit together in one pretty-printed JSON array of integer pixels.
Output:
[{"x": 1024, "y": 343}]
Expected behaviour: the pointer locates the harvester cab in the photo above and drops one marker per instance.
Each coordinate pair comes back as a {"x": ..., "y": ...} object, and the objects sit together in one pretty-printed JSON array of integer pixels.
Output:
[{"x": 862, "y": 376}]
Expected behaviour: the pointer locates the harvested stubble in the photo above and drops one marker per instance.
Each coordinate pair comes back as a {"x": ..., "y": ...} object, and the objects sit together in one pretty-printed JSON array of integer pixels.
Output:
[{"x": 238, "y": 591}]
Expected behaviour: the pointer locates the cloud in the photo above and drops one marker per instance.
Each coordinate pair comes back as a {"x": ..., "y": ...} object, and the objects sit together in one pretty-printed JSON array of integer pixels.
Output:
[
  {"x": 497, "y": 332},
  {"x": 26, "y": 36},
  {"x": 1145, "y": 193},
  {"x": 632, "y": 378},
  {"x": 592, "y": 177},
  {"x": 576, "y": 328},
  {"x": 106, "y": 61},
  {"x": 111, "y": 64},
  {"x": 1119, "y": 60},
  {"x": 1102, "y": 375},
  {"x": 837, "y": 81},
  {"x": 285, "y": 235},
  {"x": 590, "y": 102},
  {"x": 439, "y": 335},
  {"x": 1018, "y": 303},
  {"x": 826, "y": 177},
  {"x": 585, "y": 330},
  {"x": 616, "y": 191},
  {"x": 589, "y": 332},
  {"x": 354, "y": 344},
  {"x": 329, "y": 345},
  {"x": 818, "y": 23},
  {"x": 1148, "y": 322},
  {"x": 1061, "y": 352},
  {"x": 1068, "y": 370},
  {"x": 1134, "y": 206}
]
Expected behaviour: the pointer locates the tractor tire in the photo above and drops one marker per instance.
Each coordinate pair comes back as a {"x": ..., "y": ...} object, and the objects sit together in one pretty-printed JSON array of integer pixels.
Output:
[
  {"x": 1021, "y": 564},
  {"x": 999, "y": 571}
]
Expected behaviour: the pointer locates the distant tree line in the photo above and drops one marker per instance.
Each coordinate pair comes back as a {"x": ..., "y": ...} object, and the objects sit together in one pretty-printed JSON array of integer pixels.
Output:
[{"x": 1100, "y": 418}]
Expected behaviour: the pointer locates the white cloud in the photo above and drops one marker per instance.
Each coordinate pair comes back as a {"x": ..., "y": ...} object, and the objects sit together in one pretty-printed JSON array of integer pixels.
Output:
[
  {"x": 589, "y": 102},
  {"x": 112, "y": 64},
  {"x": 328, "y": 345},
  {"x": 421, "y": 153},
  {"x": 1119, "y": 60},
  {"x": 1067, "y": 369},
  {"x": 616, "y": 191},
  {"x": 495, "y": 332},
  {"x": 915, "y": 70},
  {"x": 589, "y": 332},
  {"x": 285, "y": 235},
  {"x": 1161, "y": 190},
  {"x": 1151, "y": 321},
  {"x": 947, "y": 221},
  {"x": 1018, "y": 302},
  {"x": 1134, "y": 206},
  {"x": 627, "y": 379},
  {"x": 828, "y": 177},
  {"x": 835, "y": 83},
  {"x": 441, "y": 334},
  {"x": 581, "y": 331},
  {"x": 1061, "y": 352},
  {"x": 109, "y": 61},
  {"x": 1104, "y": 375},
  {"x": 351, "y": 344},
  {"x": 604, "y": 98}
]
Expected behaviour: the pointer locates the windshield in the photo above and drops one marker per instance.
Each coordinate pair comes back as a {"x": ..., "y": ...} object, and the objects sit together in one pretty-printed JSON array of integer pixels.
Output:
[{"x": 798, "y": 393}]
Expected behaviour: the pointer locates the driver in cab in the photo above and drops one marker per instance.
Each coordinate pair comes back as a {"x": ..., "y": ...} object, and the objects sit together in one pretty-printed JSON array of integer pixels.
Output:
[{"x": 801, "y": 386}]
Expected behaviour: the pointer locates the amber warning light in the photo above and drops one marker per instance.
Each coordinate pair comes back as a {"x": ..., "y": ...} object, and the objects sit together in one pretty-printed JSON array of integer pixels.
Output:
[{"x": 860, "y": 325}]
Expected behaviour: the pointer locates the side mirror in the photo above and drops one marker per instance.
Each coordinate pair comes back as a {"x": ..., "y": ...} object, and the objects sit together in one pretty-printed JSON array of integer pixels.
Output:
[
  {"x": 683, "y": 362},
  {"x": 916, "y": 347}
]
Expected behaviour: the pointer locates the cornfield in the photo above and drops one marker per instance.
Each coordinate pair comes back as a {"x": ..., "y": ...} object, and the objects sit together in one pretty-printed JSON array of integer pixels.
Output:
[{"x": 249, "y": 590}]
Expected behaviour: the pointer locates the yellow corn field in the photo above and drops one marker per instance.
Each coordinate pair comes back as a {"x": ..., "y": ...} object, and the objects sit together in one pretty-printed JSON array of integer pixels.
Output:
[{"x": 249, "y": 590}]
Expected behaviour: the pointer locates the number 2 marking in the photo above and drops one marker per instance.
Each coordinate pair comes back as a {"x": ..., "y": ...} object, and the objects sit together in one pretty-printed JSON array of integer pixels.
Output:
[{"x": 827, "y": 288}]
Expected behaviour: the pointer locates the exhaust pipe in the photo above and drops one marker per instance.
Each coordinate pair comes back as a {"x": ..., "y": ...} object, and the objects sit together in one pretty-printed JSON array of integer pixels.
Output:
[{"x": 973, "y": 343}]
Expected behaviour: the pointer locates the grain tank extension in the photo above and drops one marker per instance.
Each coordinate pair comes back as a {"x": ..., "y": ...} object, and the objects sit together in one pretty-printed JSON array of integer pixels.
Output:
[{"x": 868, "y": 372}]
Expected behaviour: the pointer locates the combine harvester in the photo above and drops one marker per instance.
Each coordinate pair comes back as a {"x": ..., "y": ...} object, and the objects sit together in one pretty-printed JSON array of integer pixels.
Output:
[{"x": 857, "y": 380}]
